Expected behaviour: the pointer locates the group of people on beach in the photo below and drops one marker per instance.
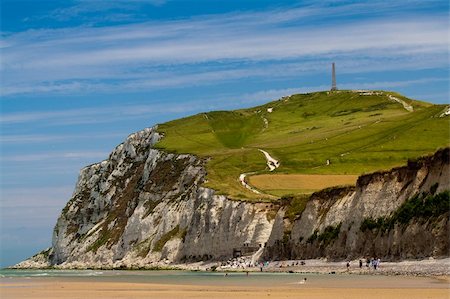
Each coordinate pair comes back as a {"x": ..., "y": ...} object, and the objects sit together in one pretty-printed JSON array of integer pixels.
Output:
[{"x": 370, "y": 263}]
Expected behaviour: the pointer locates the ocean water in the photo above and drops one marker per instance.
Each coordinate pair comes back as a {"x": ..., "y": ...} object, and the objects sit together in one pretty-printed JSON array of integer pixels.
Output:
[{"x": 256, "y": 279}]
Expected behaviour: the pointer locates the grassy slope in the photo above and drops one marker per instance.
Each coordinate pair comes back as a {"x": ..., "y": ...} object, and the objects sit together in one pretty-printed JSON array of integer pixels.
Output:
[{"x": 358, "y": 133}]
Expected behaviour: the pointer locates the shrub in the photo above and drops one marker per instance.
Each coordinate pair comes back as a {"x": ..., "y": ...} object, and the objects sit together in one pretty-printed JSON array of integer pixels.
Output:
[
  {"x": 329, "y": 234},
  {"x": 420, "y": 206},
  {"x": 176, "y": 232},
  {"x": 295, "y": 204}
]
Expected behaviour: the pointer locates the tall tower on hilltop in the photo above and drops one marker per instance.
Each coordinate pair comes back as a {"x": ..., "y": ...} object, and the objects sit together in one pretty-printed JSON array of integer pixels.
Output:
[{"x": 333, "y": 78}]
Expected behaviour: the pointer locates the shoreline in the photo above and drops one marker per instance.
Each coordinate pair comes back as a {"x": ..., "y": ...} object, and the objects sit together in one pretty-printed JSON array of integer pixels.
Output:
[
  {"x": 235, "y": 285},
  {"x": 425, "y": 268}
]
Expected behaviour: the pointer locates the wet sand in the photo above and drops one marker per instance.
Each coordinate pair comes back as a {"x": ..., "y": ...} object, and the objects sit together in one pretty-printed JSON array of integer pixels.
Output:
[{"x": 385, "y": 287}]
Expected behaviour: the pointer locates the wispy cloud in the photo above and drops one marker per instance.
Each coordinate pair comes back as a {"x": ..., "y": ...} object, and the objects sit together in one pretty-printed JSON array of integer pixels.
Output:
[
  {"x": 37, "y": 138},
  {"x": 391, "y": 84},
  {"x": 35, "y": 197},
  {"x": 97, "y": 114},
  {"x": 88, "y": 10},
  {"x": 121, "y": 113},
  {"x": 214, "y": 48},
  {"x": 54, "y": 155}
]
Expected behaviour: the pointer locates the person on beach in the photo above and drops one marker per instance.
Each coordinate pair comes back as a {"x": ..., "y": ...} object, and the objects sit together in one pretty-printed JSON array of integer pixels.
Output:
[
  {"x": 360, "y": 264},
  {"x": 348, "y": 265},
  {"x": 367, "y": 262}
]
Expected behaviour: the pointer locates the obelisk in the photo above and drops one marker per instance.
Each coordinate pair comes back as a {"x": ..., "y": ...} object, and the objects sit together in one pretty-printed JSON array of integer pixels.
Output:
[{"x": 333, "y": 78}]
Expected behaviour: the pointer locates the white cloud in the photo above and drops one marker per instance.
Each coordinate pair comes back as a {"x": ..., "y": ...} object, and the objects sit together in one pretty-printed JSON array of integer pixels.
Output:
[
  {"x": 120, "y": 113},
  {"x": 210, "y": 44},
  {"x": 37, "y": 138},
  {"x": 88, "y": 10},
  {"x": 391, "y": 84},
  {"x": 35, "y": 197},
  {"x": 54, "y": 155},
  {"x": 97, "y": 114},
  {"x": 212, "y": 48}
]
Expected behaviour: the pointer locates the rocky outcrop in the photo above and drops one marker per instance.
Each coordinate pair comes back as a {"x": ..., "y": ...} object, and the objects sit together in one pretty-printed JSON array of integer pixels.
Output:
[
  {"x": 40, "y": 260},
  {"x": 381, "y": 217},
  {"x": 143, "y": 207}
]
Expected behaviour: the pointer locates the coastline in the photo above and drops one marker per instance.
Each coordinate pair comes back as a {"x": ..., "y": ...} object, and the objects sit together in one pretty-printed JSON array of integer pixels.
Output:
[
  {"x": 426, "y": 267},
  {"x": 429, "y": 267}
]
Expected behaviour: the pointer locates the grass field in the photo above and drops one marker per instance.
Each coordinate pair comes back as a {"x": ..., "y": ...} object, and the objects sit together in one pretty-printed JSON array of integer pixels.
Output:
[
  {"x": 358, "y": 133},
  {"x": 280, "y": 184}
]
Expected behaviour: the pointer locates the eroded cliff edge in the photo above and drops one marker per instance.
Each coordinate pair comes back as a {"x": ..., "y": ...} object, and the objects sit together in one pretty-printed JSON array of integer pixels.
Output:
[
  {"x": 143, "y": 206},
  {"x": 398, "y": 214}
]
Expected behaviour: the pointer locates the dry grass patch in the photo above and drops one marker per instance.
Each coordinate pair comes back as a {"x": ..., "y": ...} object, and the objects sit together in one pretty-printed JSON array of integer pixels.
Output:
[{"x": 297, "y": 182}]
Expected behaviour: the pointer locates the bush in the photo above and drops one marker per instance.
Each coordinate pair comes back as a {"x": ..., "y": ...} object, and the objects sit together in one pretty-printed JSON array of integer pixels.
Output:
[
  {"x": 327, "y": 236},
  {"x": 420, "y": 206},
  {"x": 176, "y": 232},
  {"x": 295, "y": 204}
]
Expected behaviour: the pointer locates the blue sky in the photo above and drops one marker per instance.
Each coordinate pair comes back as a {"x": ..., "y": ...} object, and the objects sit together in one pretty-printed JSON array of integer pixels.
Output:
[{"x": 78, "y": 76}]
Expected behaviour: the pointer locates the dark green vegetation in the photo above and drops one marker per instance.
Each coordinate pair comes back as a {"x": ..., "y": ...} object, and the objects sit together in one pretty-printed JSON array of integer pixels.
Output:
[
  {"x": 329, "y": 234},
  {"x": 421, "y": 206},
  {"x": 176, "y": 232},
  {"x": 358, "y": 132},
  {"x": 296, "y": 204},
  {"x": 120, "y": 213}
]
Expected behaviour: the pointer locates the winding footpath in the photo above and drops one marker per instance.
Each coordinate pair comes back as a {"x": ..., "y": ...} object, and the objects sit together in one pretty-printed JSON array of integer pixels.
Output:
[
  {"x": 405, "y": 105},
  {"x": 244, "y": 183},
  {"x": 271, "y": 163}
]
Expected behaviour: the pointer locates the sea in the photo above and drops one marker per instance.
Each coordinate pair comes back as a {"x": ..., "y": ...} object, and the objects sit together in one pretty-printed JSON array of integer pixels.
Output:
[{"x": 262, "y": 279}]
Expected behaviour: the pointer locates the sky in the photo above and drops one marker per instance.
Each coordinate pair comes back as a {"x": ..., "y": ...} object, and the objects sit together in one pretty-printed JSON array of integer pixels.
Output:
[{"x": 78, "y": 76}]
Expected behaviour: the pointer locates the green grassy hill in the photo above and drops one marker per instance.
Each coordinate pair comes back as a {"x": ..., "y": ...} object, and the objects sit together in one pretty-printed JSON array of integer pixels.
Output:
[{"x": 358, "y": 132}]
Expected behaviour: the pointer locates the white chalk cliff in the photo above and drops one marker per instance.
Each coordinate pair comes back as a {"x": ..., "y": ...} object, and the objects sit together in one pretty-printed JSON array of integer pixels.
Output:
[{"x": 143, "y": 206}]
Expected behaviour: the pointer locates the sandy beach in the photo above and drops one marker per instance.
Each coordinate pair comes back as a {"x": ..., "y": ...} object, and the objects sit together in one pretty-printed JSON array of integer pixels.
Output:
[
  {"x": 234, "y": 285},
  {"x": 428, "y": 278},
  {"x": 66, "y": 289}
]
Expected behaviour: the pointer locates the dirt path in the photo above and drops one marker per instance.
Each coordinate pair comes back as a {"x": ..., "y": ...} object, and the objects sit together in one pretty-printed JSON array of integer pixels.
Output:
[
  {"x": 271, "y": 163},
  {"x": 244, "y": 183},
  {"x": 405, "y": 105}
]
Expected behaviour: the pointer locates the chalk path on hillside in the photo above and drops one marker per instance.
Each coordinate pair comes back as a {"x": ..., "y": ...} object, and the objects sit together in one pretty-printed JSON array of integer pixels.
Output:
[
  {"x": 244, "y": 183},
  {"x": 405, "y": 105},
  {"x": 271, "y": 163},
  {"x": 446, "y": 112}
]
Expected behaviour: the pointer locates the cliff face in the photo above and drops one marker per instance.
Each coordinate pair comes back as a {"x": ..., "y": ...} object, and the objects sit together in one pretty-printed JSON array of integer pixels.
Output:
[
  {"x": 143, "y": 206},
  {"x": 385, "y": 215}
]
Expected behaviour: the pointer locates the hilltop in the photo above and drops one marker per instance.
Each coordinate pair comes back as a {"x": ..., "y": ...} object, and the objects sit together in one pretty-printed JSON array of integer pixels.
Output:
[
  {"x": 148, "y": 206},
  {"x": 145, "y": 208},
  {"x": 319, "y": 139}
]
